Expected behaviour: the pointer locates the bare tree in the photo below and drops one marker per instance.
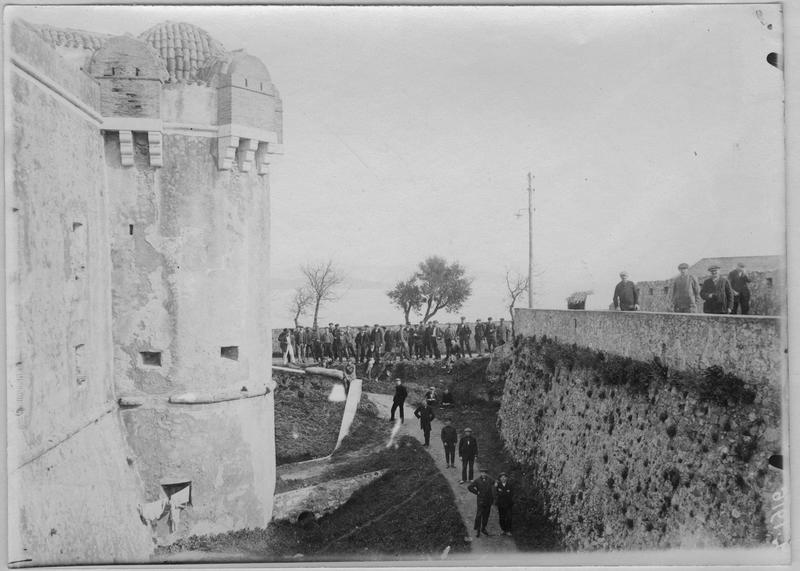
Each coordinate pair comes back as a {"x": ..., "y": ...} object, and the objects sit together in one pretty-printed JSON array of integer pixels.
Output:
[
  {"x": 517, "y": 285},
  {"x": 322, "y": 280},
  {"x": 300, "y": 303}
]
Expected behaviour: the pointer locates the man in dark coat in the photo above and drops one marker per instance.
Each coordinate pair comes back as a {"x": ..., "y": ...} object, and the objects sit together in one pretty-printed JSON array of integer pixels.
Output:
[
  {"x": 427, "y": 347},
  {"x": 490, "y": 334},
  {"x": 503, "y": 332},
  {"x": 425, "y": 415},
  {"x": 377, "y": 342},
  {"x": 716, "y": 293},
  {"x": 419, "y": 339},
  {"x": 449, "y": 440},
  {"x": 467, "y": 452},
  {"x": 449, "y": 335},
  {"x": 739, "y": 279},
  {"x": 402, "y": 342},
  {"x": 504, "y": 498},
  {"x": 478, "y": 337},
  {"x": 400, "y": 394},
  {"x": 436, "y": 336},
  {"x": 626, "y": 294},
  {"x": 463, "y": 333},
  {"x": 483, "y": 488}
]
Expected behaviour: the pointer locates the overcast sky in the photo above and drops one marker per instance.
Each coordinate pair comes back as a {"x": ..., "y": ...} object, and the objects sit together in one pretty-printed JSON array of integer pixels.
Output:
[{"x": 654, "y": 133}]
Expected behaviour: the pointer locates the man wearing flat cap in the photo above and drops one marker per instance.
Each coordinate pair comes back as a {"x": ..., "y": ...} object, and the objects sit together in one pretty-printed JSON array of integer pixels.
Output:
[
  {"x": 716, "y": 293},
  {"x": 482, "y": 487},
  {"x": 739, "y": 279},
  {"x": 685, "y": 291},
  {"x": 626, "y": 294},
  {"x": 504, "y": 498},
  {"x": 467, "y": 452}
]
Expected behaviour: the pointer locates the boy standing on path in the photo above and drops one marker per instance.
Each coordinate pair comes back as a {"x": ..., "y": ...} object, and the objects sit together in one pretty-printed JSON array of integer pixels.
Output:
[
  {"x": 467, "y": 451},
  {"x": 449, "y": 439},
  {"x": 482, "y": 488}
]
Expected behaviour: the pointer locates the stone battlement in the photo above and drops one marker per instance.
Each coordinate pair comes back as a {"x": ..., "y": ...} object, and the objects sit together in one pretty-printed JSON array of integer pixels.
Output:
[{"x": 752, "y": 347}]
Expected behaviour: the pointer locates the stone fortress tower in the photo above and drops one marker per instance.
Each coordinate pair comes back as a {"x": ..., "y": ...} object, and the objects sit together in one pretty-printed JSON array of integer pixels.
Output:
[{"x": 164, "y": 319}]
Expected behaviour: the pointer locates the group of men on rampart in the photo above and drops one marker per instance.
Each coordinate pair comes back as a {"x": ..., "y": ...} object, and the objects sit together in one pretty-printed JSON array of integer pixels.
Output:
[
  {"x": 421, "y": 341},
  {"x": 719, "y": 294}
]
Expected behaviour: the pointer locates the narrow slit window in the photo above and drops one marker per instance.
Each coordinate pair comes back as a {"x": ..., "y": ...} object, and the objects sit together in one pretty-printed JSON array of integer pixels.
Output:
[
  {"x": 78, "y": 249},
  {"x": 245, "y": 82},
  {"x": 651, "y": 291},
  {"x": 80, "y": 363},
  {"x": 666, "y": 289},
  {"x": 130, "y": 229},
  {"x": 231, "y": 352},
  {"x": 769, "y": 282},
  {"x": 151, "y": 358}
]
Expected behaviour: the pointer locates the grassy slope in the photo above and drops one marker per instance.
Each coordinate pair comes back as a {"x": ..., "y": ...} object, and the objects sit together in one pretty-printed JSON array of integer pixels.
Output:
[{"x": 409, "y": 513}]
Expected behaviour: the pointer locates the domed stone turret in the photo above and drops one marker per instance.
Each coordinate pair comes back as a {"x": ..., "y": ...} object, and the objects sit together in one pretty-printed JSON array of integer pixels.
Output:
[{"x": 185, "y": 48}]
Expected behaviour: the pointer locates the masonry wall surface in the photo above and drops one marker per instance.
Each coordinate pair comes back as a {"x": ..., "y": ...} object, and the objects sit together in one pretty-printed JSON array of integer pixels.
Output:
[
  {"x": 231, "y": 468},
  {"x": 633, "y": 456},
  {"x": 753, "y": 347},
  {"x": 67, "y": 457},
  {"x": 190, "y": 246}
]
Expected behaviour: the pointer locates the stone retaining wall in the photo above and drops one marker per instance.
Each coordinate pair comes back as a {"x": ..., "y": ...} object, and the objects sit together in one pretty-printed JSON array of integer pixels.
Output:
[{"x": 633, "y": 455}]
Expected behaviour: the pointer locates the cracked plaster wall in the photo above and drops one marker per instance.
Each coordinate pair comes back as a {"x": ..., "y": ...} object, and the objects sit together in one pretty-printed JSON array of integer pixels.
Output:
[
  {"x": 64, "y": 433},
  {"x": 191, "y": 278}
]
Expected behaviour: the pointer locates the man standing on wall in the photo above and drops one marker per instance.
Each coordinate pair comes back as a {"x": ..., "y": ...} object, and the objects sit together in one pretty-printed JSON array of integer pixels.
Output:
[
  {"x": 503, "y": 332},
  {"x": 739, "y": 279},
  {"x": 478, "y": 337},
  {"x": 482, "y": 487},
  {"x": 467, "y": 452},
  {"x": 448, "y": 336},
  {"x": 490, "y": 333},
  {"x": 717, "y": 293},
  {"x": 425, "y": 415},
  {"x": 285, "y": 341},
  {"x": 399, "y": 400},
  {"x": 463, "y": 333},
  {"x": 377, "y": 342},
  {"x": 626, "y": 294},
  {"x": 685, "y": 291},
  {"x": 449, "y": 440},
  {"x": 436, "y": 337}
]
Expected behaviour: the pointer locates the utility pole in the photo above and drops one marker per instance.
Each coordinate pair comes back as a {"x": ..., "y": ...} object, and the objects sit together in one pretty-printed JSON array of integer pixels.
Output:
[{"x": 530, "y": 240}]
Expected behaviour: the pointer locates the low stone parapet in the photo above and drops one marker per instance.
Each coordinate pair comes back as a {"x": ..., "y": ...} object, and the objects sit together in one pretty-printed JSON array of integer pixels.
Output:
[{"x": 752, "y": 347}]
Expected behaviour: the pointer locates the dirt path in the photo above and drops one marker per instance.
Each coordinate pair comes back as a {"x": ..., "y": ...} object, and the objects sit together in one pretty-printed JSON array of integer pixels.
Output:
[{"x": 483, "y": 547}]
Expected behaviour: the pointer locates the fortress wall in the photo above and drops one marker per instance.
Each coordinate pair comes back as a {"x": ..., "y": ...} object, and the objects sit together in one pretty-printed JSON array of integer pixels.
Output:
[
  {"x": 189, "y": 282},
  {"x": 632, "y": 453},
  {"x": 750, "y": 346},
  {"x": 31, "y": 52},
  {"x": 231, "y": 468},
  {"x": 629, "y": 458},
  {"x": 67, "y": 459},
  {"x": 189, "y": 104}
]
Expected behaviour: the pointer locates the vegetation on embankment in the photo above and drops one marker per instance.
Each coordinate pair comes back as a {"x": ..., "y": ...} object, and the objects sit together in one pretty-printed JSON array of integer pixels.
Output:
[
  {"x": 633, "y": 454},
  {"x": 409, "y": 513}
]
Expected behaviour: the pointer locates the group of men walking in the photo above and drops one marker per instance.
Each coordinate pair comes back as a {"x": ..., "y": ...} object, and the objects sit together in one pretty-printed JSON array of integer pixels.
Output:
[
  {"x": 718, "y": 294},
  {"x": 487, "y": 491},
  {"x": 362, "y": 344}
]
